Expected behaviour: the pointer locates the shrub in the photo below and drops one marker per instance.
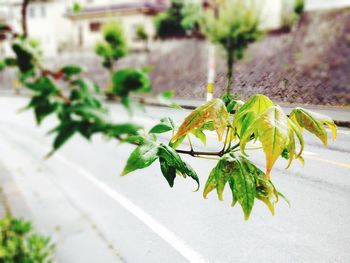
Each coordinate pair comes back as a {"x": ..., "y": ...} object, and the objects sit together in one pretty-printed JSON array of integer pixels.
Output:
[
  {"x": 19, "y": 244},
  {"x": 113, "y": 46}
]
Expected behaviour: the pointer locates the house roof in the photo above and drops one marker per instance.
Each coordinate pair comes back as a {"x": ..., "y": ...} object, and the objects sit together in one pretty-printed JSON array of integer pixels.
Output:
[{"x": 122, "y": 8}]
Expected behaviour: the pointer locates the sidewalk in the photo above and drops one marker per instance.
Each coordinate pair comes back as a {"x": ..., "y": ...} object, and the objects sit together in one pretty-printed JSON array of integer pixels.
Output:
[{"x": 28, "y": 192}]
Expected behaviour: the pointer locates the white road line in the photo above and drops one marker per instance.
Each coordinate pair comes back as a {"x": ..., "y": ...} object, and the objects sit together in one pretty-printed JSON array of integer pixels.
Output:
[
  {"x": 164, "y": 233},
  {"x": 145, "y": 218}
]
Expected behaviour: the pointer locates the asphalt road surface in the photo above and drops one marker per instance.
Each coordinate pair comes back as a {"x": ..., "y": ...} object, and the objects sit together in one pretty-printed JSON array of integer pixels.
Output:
[{"x": 94, "y": 215}]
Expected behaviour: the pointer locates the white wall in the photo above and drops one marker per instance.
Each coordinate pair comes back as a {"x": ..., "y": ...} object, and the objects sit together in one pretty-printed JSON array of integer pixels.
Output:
[
  {"x": 46, "y": 22},
  {"x": 325, "y": 4},
  {"x": 270, "y": 13}
]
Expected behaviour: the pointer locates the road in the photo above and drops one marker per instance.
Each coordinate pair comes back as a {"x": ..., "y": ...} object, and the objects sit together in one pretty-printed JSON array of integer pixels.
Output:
[{"x": 94, "y": 215}]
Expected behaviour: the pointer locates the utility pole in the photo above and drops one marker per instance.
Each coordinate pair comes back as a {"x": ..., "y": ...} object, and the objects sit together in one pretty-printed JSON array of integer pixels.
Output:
[{"x": 211, "y": 54}]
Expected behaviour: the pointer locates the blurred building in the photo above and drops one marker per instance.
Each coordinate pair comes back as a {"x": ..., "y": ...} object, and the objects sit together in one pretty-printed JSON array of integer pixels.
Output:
[
  {"x": 45, "y": 21},
  {"x": 58, "y": 28},
  {"x": 86, "y": 23}
]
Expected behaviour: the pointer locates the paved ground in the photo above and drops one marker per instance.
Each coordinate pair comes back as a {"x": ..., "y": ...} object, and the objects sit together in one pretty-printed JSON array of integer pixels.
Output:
[{"x": 95, "y": 215}]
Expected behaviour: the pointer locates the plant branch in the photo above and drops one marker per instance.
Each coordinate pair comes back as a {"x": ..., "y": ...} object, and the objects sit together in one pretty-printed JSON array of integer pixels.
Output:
[
  {"x": 198, "y": 154},
  {"x": 25, "y": 4}
]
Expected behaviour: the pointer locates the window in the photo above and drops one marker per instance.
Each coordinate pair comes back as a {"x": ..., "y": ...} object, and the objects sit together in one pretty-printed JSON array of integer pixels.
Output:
[
  {"x": 95, "y": 26},
  {"x": 43, "y": 11},
  {"x": 31, "y": 11}
]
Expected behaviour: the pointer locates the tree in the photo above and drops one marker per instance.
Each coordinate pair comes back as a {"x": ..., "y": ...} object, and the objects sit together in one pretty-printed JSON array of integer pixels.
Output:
[
  {"x": 233, "y": 24},
  {"x": 113, "y": 46},
  {"x": 142, "y": 35}
]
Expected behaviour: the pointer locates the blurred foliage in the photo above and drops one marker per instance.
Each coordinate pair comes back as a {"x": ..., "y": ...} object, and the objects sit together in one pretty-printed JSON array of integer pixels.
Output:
[
  {"x": 76, "y": 7},
  {"x": 292, "y": 12},
  {"x": 141, "y": 33},
  {"x": 233, "y": 25},
  {"x": 18, "y": 244},
  {"x": 182, "y": 17},
  {"x": 168, "y": 24},
  {"x": 299, "y": 6},
  {"x": 113, "y": 46},
  {"x": 191, "y": 15},
  {"x": 130, "y": 80}
]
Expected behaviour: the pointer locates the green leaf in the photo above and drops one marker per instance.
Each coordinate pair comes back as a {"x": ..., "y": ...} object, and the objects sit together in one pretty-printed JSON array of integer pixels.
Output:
[
  {"x": 71, "y": 70},
  {"x": 160, "y": 128},
  {"x": 213, "y": 111},
  {"x": 165, "y": 125},
  {"x": 142, "y": 157},
  {"x": 173, "y": 159},
  {"x": 232, "y": 104},
  {"x": 64, "y": 132},
  {"x": 42, "y": 107},
  {"x": 169, "y": 172},
  {"x": 25, "y": 58},
  {"x": 314, "y": 123},
  {"x": 43, "y": 85}
]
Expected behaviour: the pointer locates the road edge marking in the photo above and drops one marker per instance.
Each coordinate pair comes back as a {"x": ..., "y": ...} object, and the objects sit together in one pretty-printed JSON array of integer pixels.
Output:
[{"x": 164, "y": 233}]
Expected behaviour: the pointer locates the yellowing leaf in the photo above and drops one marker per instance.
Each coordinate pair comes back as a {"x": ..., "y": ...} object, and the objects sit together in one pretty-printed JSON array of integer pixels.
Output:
[
  {"x": 314, "y": 123},
  {"x": 213, "y": 110},
  {"x": 250, "y": 111},
  {"x": 273, "y": 131}
]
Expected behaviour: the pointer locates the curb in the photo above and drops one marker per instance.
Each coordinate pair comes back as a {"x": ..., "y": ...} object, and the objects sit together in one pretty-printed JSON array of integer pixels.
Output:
[
  {"x": 343, "y": 121},
  {"x": 192, "y": 104}
]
